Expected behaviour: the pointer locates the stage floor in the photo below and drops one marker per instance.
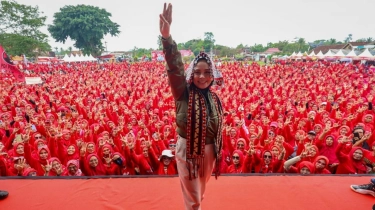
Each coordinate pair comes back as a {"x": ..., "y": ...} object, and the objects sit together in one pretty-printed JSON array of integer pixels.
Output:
[{"x": 228, "y": 192}]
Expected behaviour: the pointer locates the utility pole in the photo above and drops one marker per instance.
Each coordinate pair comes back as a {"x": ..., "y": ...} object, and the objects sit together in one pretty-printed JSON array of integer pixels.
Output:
[{"x": 106, "y": 46}]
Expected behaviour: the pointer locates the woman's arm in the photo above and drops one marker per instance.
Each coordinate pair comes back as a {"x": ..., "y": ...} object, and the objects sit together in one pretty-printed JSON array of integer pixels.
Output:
[{"x": 175, "y": 66}]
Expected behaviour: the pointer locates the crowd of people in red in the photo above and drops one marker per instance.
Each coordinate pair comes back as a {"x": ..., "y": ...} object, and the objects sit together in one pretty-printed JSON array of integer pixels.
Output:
[{"x": 90, "y": 119}]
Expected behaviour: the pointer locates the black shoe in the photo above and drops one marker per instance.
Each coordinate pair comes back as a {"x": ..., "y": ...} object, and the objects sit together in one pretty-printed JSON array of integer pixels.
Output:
[
  {"x": 3, "y": 194},
  {"x": 364, "y": 189}
]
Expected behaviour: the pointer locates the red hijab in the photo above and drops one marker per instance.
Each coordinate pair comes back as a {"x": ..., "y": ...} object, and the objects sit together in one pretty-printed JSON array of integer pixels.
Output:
[{"x": 95, "y": 171}]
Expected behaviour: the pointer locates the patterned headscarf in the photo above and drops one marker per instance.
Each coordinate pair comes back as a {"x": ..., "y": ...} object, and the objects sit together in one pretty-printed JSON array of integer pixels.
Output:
[{"x": 216, "y": 73}]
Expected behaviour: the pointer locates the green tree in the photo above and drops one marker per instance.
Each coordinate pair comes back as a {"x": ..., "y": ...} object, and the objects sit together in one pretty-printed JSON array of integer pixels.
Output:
[
  {"x": 160, "y": 44},
  {"x": 86, "y": 25},
  {"x": 208, "y": 41},
  {"x": 20, "y": 29},
  {"x": 257, "y": 48},
  {"x": 349, "y": 38},
  {"x": 369, "y": 39}
]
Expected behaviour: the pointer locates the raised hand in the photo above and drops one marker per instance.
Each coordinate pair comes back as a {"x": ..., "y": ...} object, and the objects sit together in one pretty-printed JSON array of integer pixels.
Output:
[
  {"x": 47, "y": 167},
  {"x": 166, "y": 20}
]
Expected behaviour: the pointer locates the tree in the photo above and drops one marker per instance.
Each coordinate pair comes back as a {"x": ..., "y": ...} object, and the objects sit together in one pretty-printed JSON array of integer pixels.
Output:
[
  {"x": 349, "y": 38},
  {"x": 332, "y": 41},
  {"x": 86, "y": 25},
  {"x": 369, "y": 39},
  {"x": 257, "y": 48},
  {"x": 160, "y": 44},
  {"x": 20, "y": 29},
  {"x": 208, "y": 41}
]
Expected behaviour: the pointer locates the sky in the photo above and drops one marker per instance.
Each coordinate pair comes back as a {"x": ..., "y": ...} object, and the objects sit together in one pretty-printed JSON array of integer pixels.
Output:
[{"x": 232, "y": 22}]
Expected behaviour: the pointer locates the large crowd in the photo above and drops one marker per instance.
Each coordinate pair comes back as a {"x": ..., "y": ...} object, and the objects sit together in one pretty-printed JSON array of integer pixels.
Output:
[{"x": 90, "y": 119}]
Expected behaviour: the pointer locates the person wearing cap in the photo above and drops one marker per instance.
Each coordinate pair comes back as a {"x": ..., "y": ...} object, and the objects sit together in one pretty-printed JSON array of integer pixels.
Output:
[
  {"x": 197, "y": 109},
  {"x": 167, "y": 164},
  {"x": 311, "y": 136}
]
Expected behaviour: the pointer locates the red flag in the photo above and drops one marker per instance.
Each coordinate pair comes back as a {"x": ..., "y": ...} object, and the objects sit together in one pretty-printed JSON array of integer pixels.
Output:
[{"x": 7, "y": 64}]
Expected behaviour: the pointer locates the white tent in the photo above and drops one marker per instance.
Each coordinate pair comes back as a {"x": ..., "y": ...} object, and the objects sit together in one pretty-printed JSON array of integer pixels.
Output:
[
  {"x": 351, "y": 54},
  {"x": 366, "y": 54},
  {"x": 299, "y": 54},
  {"x": 329, "y": 54},
  {"x": 85, "y": 58},
  {"x": 339, "y": 54},
  {"x": 320, "y": 54},
  {"x": 72, "y": 58},
  {"x": 92, "y": 58},
  {"x": 294, "y": 54},
  {"x": 66, "y": 58},
  {"x": 312, "y": 54}
]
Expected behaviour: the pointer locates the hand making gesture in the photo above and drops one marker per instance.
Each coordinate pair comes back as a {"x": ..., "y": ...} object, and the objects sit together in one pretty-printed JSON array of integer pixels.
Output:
[{"x": 166, "y": 21}]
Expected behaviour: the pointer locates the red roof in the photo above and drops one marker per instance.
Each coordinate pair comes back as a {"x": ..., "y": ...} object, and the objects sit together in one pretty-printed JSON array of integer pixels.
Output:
[
  {"x": 272, "y": 50},
  {"x": 106, "y": 56}
]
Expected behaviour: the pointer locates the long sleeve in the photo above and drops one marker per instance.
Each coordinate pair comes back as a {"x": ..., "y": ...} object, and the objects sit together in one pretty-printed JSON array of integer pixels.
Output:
[
  {"x": 175, "y": 68},
  {"x": 291, "y": 162}
]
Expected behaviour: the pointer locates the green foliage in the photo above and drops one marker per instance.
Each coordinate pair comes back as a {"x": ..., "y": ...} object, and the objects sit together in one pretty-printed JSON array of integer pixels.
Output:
[
  {"x": 86, "y": 25},
  {"x": 368, "y": 39},
  {"x": 208, "y": 41},
  {"x": 160, "y": 44},
  {"x": 140, "y": 52},
  {"x": 20, "y": 29},
  {"x": 348, "y": 38}
]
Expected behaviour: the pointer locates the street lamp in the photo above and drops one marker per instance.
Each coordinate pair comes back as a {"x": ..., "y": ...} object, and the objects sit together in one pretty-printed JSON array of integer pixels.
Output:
[{"x": 106, "y": 46}]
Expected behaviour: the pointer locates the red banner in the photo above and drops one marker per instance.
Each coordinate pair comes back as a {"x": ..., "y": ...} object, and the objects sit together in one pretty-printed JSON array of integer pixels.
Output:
[
  {"x": 7, "y": 64},
  {"x": 158, "y": 55},
  {"x": 185, "y": 53}
]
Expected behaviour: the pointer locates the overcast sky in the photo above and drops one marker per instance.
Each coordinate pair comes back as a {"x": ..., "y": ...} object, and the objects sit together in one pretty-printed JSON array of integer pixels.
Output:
[{"x": 232, "y": 22}]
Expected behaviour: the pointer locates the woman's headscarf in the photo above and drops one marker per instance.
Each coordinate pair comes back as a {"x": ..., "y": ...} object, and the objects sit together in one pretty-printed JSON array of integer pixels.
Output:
[
  {"x": 76, "y": 163},
  {"x": 218, "y": 77}
]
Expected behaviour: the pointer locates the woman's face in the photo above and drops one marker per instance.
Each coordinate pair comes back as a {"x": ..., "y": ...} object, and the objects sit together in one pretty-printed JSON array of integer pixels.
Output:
[
  {"x": 202, "y": 76},
  {"x": 145, "y": 151},
  {"x": 43, "y": 154},
  {"x": 358, "y": 154},
  {"x": 241, "y": 145},
  {"x": 320, "y": 164},
  {"x": 236, "y": 158},
  {"x": 329, "y": 141},
  {"x": 275, "y": 152},
  {"x": 106, "y": 151},
  {"x": 305, "y": 171},
  {"x": 233, "y": 133},
  {"x": 166, "y": 160},
  {"x": 312, "y": 152},
  {"x": 130, "y": 138},
  {"x": 143, "y": 143},
  {"x": 90, "y": 148},
  {"x": 93, "y": 161},
  {"x": 267, "y": 157},
  {"x": 20, "y": 149},
  {"x": 343, "y": 131},
  {"x": 56, "y": 166},
  {"x": 72, "y": 169},
  {"x": 317, "y": 129},
  {"x": 71, "y": 150},
  {"x": 66, "y": 136}
]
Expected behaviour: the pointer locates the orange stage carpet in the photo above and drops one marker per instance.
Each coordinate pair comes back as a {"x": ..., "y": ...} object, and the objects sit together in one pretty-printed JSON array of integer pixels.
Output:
[{"x": 228, "y": 192}]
